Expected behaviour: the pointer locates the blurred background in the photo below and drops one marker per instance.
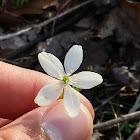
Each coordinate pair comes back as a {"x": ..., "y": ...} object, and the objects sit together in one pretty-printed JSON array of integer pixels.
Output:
[{"x": 109, "y": 32}]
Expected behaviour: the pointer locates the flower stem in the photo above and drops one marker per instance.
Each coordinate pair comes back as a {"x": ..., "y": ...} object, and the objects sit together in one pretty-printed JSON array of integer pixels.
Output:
[{"x": 63, "y": 94}]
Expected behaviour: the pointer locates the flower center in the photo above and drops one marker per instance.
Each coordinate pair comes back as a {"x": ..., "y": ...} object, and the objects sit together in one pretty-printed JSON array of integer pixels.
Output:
[{"x": 65, "y": 79}]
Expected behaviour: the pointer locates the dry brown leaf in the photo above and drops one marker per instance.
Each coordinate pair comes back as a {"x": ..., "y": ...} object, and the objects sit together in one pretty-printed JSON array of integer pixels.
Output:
[
  {"x": 132, "y": 9},
  {"x": 94, "y": 52},
  {"x": 34, "y": 7},
  {"x": 66, "y": 4},
  {"x": 7, "y": 19},
  {"x": 124, "y": 23},
  {"x": 130, "y": 17},
  {"x": 129, "y": 77}
]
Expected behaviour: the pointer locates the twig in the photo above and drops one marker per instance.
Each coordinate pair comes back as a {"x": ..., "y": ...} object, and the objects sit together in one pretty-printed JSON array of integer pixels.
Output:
[
  {"x": 58, "y": 29},
  {"x": 116, "y": 116},
  {"x": 136, "y": 105},
  {"x": 118, "y": 120},
  {"x": 46, "y": 21},
  {"x": 133, "y": 109},
  {"x": 58, "y": 14},
  {"x": 105, "y": 102}
]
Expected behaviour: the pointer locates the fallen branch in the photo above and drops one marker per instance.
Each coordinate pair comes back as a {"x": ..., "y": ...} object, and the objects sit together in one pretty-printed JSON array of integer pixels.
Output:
[
  {"x": 63, "y": 26},
  {"x": 117, "y": 120},
  {"x": 46, "y": 21}
]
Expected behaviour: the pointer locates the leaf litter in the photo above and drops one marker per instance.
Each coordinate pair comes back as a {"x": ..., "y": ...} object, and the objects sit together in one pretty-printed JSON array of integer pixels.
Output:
[{"x": 109, "y": 34}]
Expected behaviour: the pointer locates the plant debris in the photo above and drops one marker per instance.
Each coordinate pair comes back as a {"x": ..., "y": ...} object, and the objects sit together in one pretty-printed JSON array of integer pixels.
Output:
[{"x": 109, "y": 32}]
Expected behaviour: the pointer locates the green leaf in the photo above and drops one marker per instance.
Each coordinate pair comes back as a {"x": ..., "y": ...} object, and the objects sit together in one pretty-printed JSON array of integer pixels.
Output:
[
  {"x": 127, "y": 127},
  {"x": 134, "y": 124}
]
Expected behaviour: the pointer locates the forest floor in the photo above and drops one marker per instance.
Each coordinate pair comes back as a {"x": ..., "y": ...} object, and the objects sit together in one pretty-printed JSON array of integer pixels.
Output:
[{"x": 108, "y": 31}]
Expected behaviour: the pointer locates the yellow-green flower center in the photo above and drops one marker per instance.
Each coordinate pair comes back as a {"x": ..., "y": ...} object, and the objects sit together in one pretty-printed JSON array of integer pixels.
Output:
[{"x": 65, "y": 79}]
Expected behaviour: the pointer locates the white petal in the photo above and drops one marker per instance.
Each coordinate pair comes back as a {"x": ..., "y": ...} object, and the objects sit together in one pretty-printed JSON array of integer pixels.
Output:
[
  {"x": 51, "y": 65},
  {"x": 86, "y": 79},
  {"x": 71, "y": 101},
  {"x": 73, "y": 59},
  {"x": 49, "y": 94}
]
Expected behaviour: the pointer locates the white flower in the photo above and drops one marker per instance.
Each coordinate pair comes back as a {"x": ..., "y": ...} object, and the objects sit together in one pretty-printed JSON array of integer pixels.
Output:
[{"x": 61, "y": 86}]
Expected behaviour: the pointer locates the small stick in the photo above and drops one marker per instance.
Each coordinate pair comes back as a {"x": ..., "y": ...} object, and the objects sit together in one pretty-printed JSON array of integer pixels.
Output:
[
  {"x": 61, "y": 27},
  {"x": 46, "y": 21},
  {"x": 116, "y": 116},
  {"x": 105, "y": 102},
  {"x": 136, "y": 105},
  {"x": 117, "y": 120}
]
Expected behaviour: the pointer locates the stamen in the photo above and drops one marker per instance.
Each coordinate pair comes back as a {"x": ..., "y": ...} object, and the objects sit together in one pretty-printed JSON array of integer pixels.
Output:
[
  {"x": 68, "y": 74},
  {"x": 65, "y": 79}
]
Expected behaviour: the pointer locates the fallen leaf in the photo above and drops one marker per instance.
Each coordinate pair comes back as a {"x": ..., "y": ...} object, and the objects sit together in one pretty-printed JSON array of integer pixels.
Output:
[
  {"x": 96, "y": 135},
  {"x": 129, "y": 77},
  {"x": 123, "y": 22},
  {"x": 94, "y": 52},
  {"x": 12, "y": 43},
  {"x": 7, "y": 19},
  {"x": 34, "y": 7}
]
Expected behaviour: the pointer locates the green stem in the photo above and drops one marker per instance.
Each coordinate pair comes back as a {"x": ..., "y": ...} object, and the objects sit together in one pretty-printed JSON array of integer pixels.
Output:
[{"x": 63, "y": 94}]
